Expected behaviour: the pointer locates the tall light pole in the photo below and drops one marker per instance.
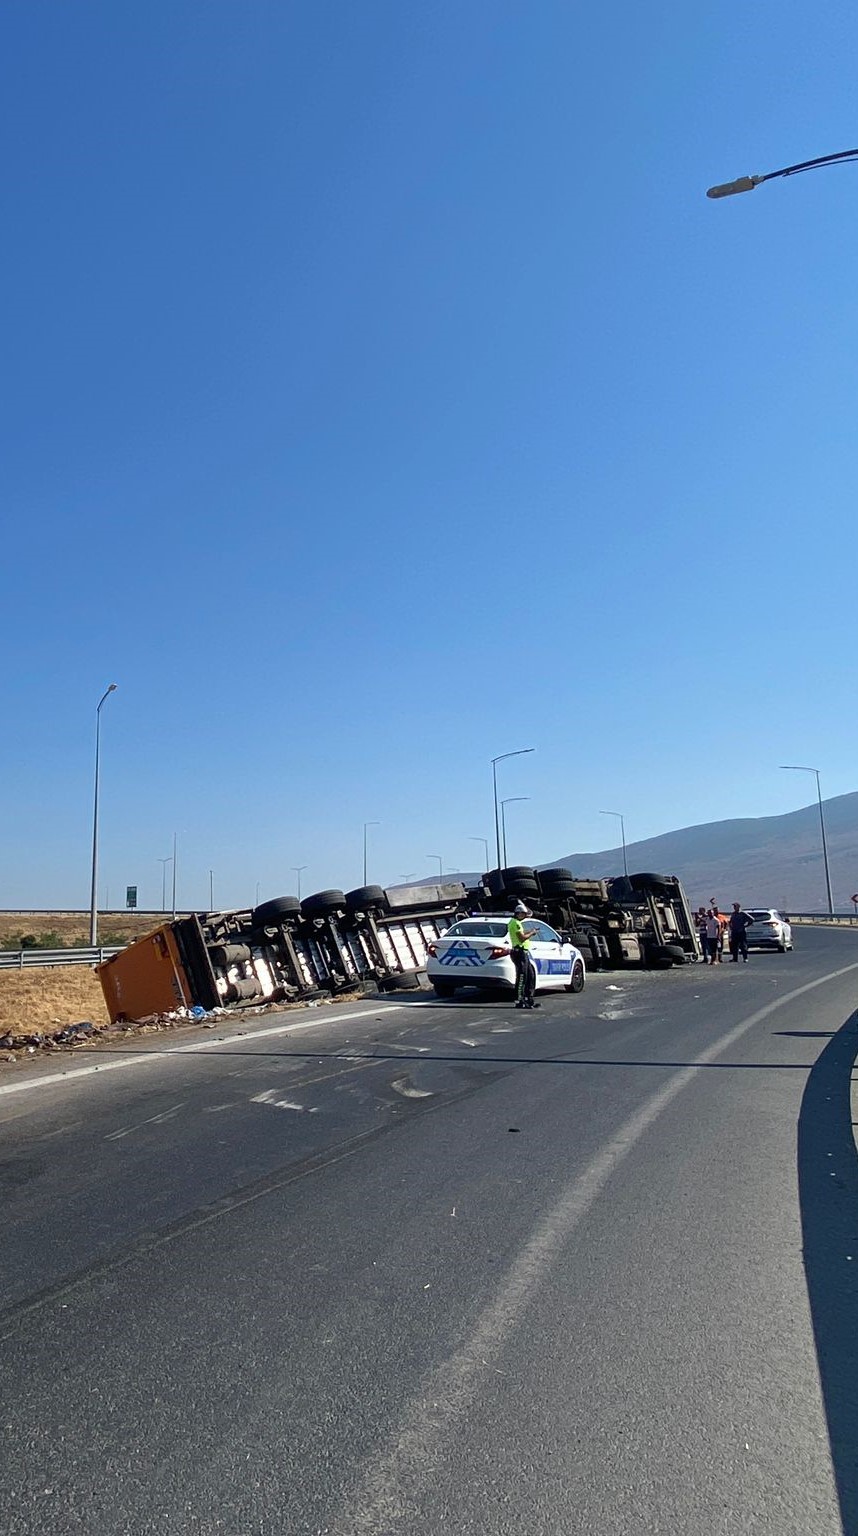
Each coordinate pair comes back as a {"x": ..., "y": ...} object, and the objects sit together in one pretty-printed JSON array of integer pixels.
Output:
[
  {"x": 93, "y": 904},
  {"x": 748, "y": 183},
  {"x": 163, "y": 863},
  {"x": 485, "y": 843},
  {"x": 798, "y": 768},
  {"x": 508, "y": 801},
  {"x": 495, "y": 760},
  {"x": 622, "y": 820},
  {"x": 440, "y": 863},
  {"x": 211, "y": 890},
  {"x": 367, "y": 824},
  {"x": 175, "y": 861},
  {"x": 405, "y": 878},
  {"x": 298, "y": 869}
]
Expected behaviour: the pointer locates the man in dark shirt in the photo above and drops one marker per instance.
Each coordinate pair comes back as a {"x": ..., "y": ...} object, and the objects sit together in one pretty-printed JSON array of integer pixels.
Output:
[{"x": 739, "y": 924}]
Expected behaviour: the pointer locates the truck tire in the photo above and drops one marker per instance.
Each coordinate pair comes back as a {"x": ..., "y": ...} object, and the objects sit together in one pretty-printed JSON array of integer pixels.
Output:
[
  {"x": 502, "y": 882},
  {"x": 270, "y": 913},
  {"x": 323, "y": 903},
  {"x": 663, "y": 956},
  {"x": 648, "y": 882},
  {"x": 367, "y": 898},
  {"x": 577, "y": 982},
  {"x": 400, "y": 981},
  {"x": 550, "y": 879}
]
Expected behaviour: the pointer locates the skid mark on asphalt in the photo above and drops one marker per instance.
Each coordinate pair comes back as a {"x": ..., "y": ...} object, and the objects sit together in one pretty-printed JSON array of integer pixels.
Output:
[{"x": 128, "y": 1130}]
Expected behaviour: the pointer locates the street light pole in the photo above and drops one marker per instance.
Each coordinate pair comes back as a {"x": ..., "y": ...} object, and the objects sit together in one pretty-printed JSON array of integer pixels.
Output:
[
  {"x": 298, "y": 869},
  {"x": 163, "y": 863},
  {"x": 504, "y": 803},
  {"x": 211, "y": 890},
  {"x": 485, "y": 843},
  {"x": 798, "y": 768},
  {"x": 93, "y": 904},
  {"x": 622, "y": 821},
  {"x": 748, "y": 183},
  {"x": 440, "y": 863},
  {"x": 367, "y": 824},
  {"x": 495, "y": 760},
  {"x": 175, "y": 851}
]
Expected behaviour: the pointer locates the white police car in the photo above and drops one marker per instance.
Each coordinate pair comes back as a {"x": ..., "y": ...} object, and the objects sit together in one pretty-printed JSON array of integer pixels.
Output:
[{"x": 475, "y": 952}]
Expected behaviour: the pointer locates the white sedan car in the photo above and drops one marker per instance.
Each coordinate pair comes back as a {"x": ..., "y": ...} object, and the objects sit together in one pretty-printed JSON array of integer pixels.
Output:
[
  {"x": 475, "y": 952},
  {"x": 769, "y": 930}
]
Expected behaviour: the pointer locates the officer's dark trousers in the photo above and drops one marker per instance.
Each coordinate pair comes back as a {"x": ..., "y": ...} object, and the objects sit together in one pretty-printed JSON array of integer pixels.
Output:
[{"x": 525, "y": 975}]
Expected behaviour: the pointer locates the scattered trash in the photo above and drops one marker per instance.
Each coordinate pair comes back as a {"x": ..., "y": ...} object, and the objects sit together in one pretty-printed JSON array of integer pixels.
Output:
[
  {"x": 612, "y": 988},
  {"x": 427, "y": 1285},
  {"x": 197, "y": 1012},
  {"x": 513, "y": 1129},
  {"x": 405, "y": 1086}
]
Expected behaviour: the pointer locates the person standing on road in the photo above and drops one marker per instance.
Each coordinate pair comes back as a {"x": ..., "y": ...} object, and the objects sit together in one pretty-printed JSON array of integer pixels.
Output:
[
  {"x": 739, "y": 922},
  {"x": 700, "y": 919},
  {"x": 713, "y": 934},
  {"x": 722, "y": 922},
  {"x": 525, "y": 970}
]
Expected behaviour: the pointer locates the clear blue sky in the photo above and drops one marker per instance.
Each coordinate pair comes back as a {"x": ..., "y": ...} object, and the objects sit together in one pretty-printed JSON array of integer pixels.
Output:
[{"x": 382, "y": 393}]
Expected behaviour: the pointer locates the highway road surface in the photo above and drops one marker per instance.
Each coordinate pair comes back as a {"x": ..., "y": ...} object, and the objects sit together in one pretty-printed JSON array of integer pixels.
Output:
[{"x": 412, "y": 1267}]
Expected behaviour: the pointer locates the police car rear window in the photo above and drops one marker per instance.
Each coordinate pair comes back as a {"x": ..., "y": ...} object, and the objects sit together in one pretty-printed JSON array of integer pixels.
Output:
[{"x": 477, "y": 931}]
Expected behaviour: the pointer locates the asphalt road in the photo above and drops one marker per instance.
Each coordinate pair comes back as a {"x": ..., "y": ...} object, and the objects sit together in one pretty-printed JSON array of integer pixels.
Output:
[{"x": 418, "y": 1268}]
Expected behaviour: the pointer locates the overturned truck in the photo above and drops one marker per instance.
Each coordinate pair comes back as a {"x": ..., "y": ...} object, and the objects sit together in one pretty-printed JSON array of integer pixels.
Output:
[{"x": 286, "y": 950}]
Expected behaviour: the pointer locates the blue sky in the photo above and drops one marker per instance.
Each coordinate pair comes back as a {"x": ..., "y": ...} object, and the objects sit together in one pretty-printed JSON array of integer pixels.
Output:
[{"x": 382, "y": 394}]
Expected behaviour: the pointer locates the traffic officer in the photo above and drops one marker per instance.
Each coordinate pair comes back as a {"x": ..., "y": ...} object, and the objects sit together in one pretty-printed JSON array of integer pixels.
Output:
[{"x": 525, "y": 970}]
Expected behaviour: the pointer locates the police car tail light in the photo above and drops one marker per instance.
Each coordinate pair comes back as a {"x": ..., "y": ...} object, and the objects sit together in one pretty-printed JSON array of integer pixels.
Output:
[{"x": 498, "y": 952}]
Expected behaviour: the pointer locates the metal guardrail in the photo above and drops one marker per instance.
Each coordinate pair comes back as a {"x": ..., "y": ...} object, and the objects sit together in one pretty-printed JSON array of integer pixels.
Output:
[
  {"x": 838, "y": 919},
  {"x": 23, "y": 959}
]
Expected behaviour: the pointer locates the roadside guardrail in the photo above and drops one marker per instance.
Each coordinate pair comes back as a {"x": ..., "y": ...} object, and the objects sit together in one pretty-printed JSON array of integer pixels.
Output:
[
  {"x": 838, "y": 919},
  {"x": 23, "y": 959}
]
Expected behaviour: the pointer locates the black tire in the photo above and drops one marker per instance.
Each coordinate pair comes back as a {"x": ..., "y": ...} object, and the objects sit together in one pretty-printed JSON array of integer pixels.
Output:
[
  {"x": 550, "y": 879},
  {"x": 503, "y": 882},
  {"x": 367, "y": 898},
  {"x": 662, "y": 956},
  {"x": 400, "y": 981},
  {"x": 648, "y": 882},
  {"x": 444, "y": 988},
  {"x": 323, "y": 903},
  {"x": 782, "y": 949},
  {"x": 557, "y": 888},
  {"x": 577, "y": 982},
  {"x": 224, "y": 955},
  {"x": 270, "y": 913}
]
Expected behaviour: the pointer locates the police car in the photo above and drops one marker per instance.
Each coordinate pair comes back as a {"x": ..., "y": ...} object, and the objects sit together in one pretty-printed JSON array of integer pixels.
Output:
[{"x": 475, "y": 952}]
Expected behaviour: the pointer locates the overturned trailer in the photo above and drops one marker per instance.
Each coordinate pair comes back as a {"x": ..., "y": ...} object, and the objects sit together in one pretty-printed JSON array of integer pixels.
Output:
[{"x": 332, "y": 942}]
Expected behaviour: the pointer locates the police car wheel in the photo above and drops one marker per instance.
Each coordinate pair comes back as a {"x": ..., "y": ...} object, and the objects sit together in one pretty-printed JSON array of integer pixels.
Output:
[
  {"x": 443, "y": 988},
  {"x": 577, "y": 982}
]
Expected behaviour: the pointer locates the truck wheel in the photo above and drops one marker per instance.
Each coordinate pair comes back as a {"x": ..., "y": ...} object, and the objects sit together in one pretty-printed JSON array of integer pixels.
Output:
[
  {"x": 577, "y": 982},
  {"x": 400, "y": 981},
  {"x": 648, "y": 882},
  {"x": 269, "y": 914},
  {"x": 323, "y": 903},
  {"x": 367, "y": 898}
]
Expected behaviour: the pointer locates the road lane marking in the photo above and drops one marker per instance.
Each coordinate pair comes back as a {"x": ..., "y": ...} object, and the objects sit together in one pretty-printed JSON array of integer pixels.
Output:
[
  {"x": 195, "y": 1047},
  {"x": 388, "y": 1497}
]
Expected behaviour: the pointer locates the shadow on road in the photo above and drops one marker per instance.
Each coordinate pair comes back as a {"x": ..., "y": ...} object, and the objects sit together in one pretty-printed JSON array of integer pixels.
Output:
[{"x": 828, "y": 1193}]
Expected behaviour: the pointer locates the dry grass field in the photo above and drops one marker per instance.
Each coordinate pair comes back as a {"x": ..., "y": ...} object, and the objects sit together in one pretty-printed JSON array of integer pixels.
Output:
[
  {"x": 72, "y": 928},
  {"x": 48, "y": 998}
]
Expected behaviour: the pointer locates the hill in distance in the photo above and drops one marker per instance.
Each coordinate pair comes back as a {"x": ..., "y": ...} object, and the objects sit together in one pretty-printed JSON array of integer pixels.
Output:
[{"x": 760, "y": 861}]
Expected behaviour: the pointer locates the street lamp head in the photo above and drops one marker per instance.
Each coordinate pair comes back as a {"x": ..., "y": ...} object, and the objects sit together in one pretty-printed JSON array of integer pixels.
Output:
[{"x": 730, "y": 188}]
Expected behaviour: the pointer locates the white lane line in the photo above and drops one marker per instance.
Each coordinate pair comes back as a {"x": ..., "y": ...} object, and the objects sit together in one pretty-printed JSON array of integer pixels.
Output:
[
  {"x": 194, "y": 1047},
  {"x": 166, "y": 1114},
  {"x": 387, "y": 1499}
]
